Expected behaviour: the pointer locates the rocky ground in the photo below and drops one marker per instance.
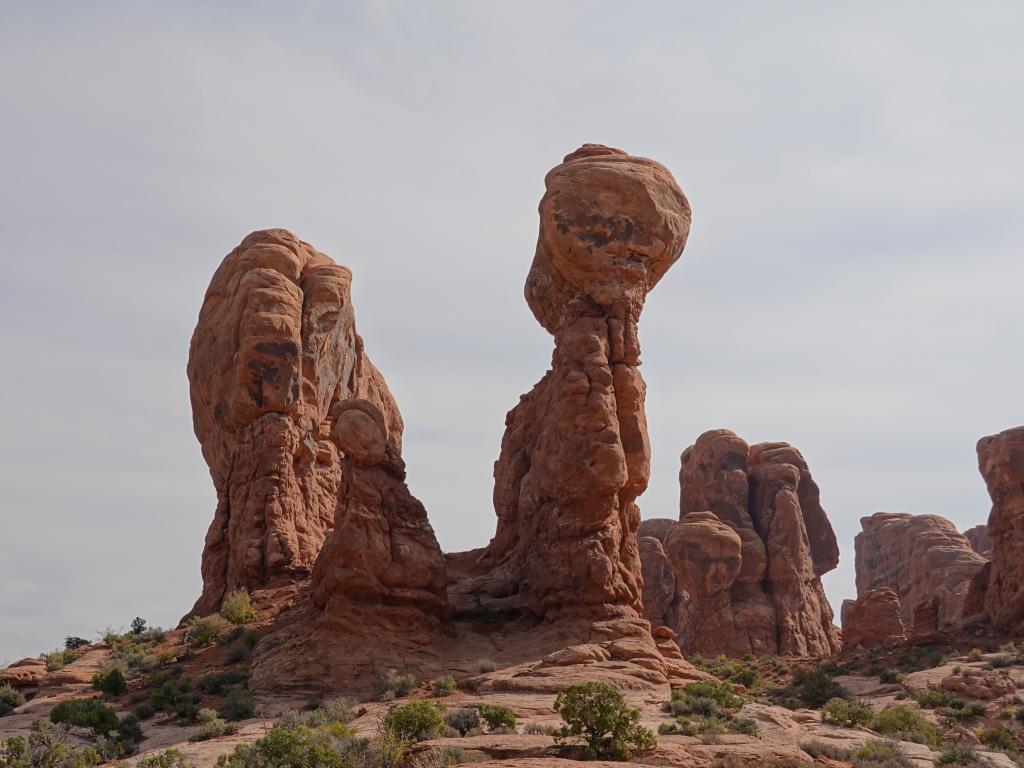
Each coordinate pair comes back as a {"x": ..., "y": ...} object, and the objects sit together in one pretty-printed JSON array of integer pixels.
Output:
[{"x": 910, "y": 706}]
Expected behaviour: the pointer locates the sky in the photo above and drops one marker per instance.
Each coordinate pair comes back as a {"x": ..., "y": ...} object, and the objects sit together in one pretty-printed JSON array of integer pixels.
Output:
[{"x": 851, "y": 284}]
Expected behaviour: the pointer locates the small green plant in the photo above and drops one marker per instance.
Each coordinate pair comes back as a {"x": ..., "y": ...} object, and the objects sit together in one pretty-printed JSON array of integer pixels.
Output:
[
  {"x": 213, "y": 726},
  {"x": 596, "y": 714},
  {"x": 444, "y": 686},
  {"x": 816, "y": 748},
  {"x": 138, "y": 625},
  {"x": 485, "y": 666},
  {"x": 497, "y": 717},
  {"x": 881, "y": 753},
  {"x": 933, "y": 698},
  {"x": 889, "y": 676},
  {"x": 203, "y": 630},
  {"x": 144, "y": 711},
  {"x": 816, "y": 687},
  {"x": 846, "y": 713},
  {"x": 958, "y": 754},
  {"x": 539, "y": 729},
  {"x": 129, "y": 729},
  {"x": 394, "y": 685},
  {"x": 463, "y": 720},
  {"x": 237, "y": 607},
  {"x": 10, "y": 699},
  {"x": 710, "y": 728},
  {"x": 86, "y": 713},
  {"x": 960, "y": 711},
  {"x": 705, "y": 697},
  {"x": 1000, "y": 662},
  {"x": 904, "y": 723},
  {"x": 59, "y": 659},
  {"x": 241, "y": 644},
  {"x": 219, "y": 682},
  {"x": 175, "y": 696},
  {"x": 46, "y": 747},
  {"x": 998, "y": 738},
  {"x": 110, "y": 683},
  {"x": 415, "y": 721},
  {"x": 975, "y": 654},
  {"x": 297, "y": 747},
  {"x": 745, "y": 725},
  {"x": 238, "y": 704},
  {"x": 171, "y": 758}
]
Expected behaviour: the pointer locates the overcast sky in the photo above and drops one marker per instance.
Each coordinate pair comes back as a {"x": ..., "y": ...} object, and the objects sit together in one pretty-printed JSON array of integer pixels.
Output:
[{"x": 852, "y": 282}]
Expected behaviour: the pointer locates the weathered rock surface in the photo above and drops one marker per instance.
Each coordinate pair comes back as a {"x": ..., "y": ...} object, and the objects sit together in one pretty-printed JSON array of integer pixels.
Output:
[
  {"x": 919, "y": 557},
  {"x": 274, "y": 349},
  {"x": 980, "y": 540},
  {"x": 1001, "y": 462},
  {"x": 873, "y": 620},
  {"x": 575, "y": 454},
  {"x": 748, "y": 552}
]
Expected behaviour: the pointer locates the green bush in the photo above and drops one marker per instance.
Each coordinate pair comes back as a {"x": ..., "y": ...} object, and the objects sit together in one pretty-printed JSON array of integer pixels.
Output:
[
  {"x": 745, "y": 725},
  {"x": 337, "y": 710},
  {"x": 846, "y": 713},
  {"x": 171, "y": 758},
  {"x": 889, "y": 676},
  {"x": 46, "y": 747},
  {"x": 202, "y": 631},
  {"x": 959, "y": 754},
  {"x": 218, "y": 682},
  {"x": 960, "y": 711},
  {"x": 138, "y": 625},
  {"x": 705, "y": 697},
  {"x": 110, "y": 683},
  {"x": 463, "y": 720},
  {"x": 394, "y": 685},
  {"x": 885, "y": 754},
  {"x": 596, "y": 714},
  {"x": 86, "y": 713},
  {"x": 444, "y": 686},
  {"x": 213, "y": 726},
  {"x": 904, "y": 723},
  {"x": 486, "y": 665},
  {"x": 242, "y": 643},
  {"x": 710, "y": 728},
  {"x": 129, "y": 729},
  {"x": 815, "y": 687},
  {"x": 237, "y": 607},
  {"x": 72, "y": 643},
  {"x": 298, "y": 747},
  {"x": 933, "y": 698},
  {"x": 144, "y": 711},
  {"x": 498, "y": 717},
  {"x": 10, "y": 699},
  {"x": 415, "y": 721},
  {"x": 238, "y": 705},
  {"x": 59, "y": 659},
  {"x": 175, "y": 697},
  {"x": 998, "y": 738}
]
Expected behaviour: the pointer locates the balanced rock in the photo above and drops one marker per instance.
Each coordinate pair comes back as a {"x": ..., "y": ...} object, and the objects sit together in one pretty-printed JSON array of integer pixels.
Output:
[
  {"x": 575, "y": 454},
  {"x": 748, "y": 552},
  {"x": 919, "y": 557},
  {"x": 1001, "y": 461},
  {"x": 274, "y": 350},
  {"x": 873, "y": 620}
]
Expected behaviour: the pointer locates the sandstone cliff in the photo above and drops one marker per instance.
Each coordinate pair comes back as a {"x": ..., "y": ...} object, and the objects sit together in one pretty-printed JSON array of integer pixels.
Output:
[{"x": 1001, "y": 462}]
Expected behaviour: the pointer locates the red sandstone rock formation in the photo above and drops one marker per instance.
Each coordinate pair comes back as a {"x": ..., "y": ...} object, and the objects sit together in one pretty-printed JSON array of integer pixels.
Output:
[
  {"x": 873, "y": 620},
  {"x": 748, "y": 552},
  {"x": 575, "y": 454},
  {"x": 980, "y": 541},
  {"x": 275, "y": 348},
  {"x": 919, "y": 557},
  {"x": 1001, "y": 462}
]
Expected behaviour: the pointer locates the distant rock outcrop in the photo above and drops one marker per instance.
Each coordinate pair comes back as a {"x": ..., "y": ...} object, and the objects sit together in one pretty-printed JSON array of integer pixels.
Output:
[
  {"x": 921, "y": 558},
  {"x": 274, "y": 350},
  {"x": 747, "y": 553},
  {"x": 873, "y": 619},
  {"x": 1001, "y": 462},
  {"x": 980, "y": 540}
]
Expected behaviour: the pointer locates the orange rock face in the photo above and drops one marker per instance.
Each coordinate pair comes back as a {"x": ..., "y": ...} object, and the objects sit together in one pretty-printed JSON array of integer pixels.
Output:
[
  {"x": 1001, "y": 461},
  {"x": 872, "y": 620},
  {"x": 747, "y": 553},
  {"x": 275, "y": 348},
  {"x": 980, "y": 541},
  {"x": 575, "y": 454},
  {"x": 919, "y": 557}
]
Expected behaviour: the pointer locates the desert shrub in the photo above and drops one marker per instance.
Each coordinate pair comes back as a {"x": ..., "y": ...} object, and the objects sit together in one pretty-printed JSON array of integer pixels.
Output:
[
  {"x": 337, "y": 710},
  {"x": 59, "y": 659},
  {"x": 129, "y": 729},
  {"x": 816, "y": 748},
  {"x": 998, "y": 738},
  {"x": 846, "y": 713},
  {"x": 171, "y": 758},
  {"x": 144, "y": 711},
  {"x": 975, "y": 654},
  {"x": 444, "y": 686},
  {"x": 218, "y": 682},
  {"x": 463, "y": 720},
  {"x": 666, "y": 729},
  {"x": 879, "y": 753},
  {"x": 959, "y": 754},
  {"x": 710, "y": 728},
  {"x": 175, "y": 697},
  {"x": 73, "y": 643},
  {"x": 960, "y": 711},
  {"x": 921, "y": 657},
  {"x": 539, "y": 729},
  {"x": 394, "y": 685},
  {"x": 497, "y": 717},
  {"x": 213, "y": 725},
  {"x": 745, "y": 676},
  {"x": 238, "y": 705},
  {"x": 697, "y": 705},
  {"x": 110, "y": 683},
  {"x": 904, "y": 723},
  {"x": 299, "y": 747},
  {"x": 933, "y": 698},
  {"x": 1000, "y": 662},
  {"x": 138, "y": 625},
  {"x": 85, "y": 713},
  {"x": 596, "y": 714},
  {"x": 237, "y": 607},
  {"x": 768, "y": 761},
  {"x": 486, "y": 665},
  {"x": 745, "y": 725},
  {"x": 46, "y": 747},
  {"x": 705, "y": 697},
  {"x": 10, "y": 699},
  {"x": 241, "y": 644},
  {"x": 202, "y": 631},
  {"x": 445, "y": 757},
  {"x": 889, "y": 676},
  {"x": 415, "y": 721},
  {"x": 815, "y": 687}
]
